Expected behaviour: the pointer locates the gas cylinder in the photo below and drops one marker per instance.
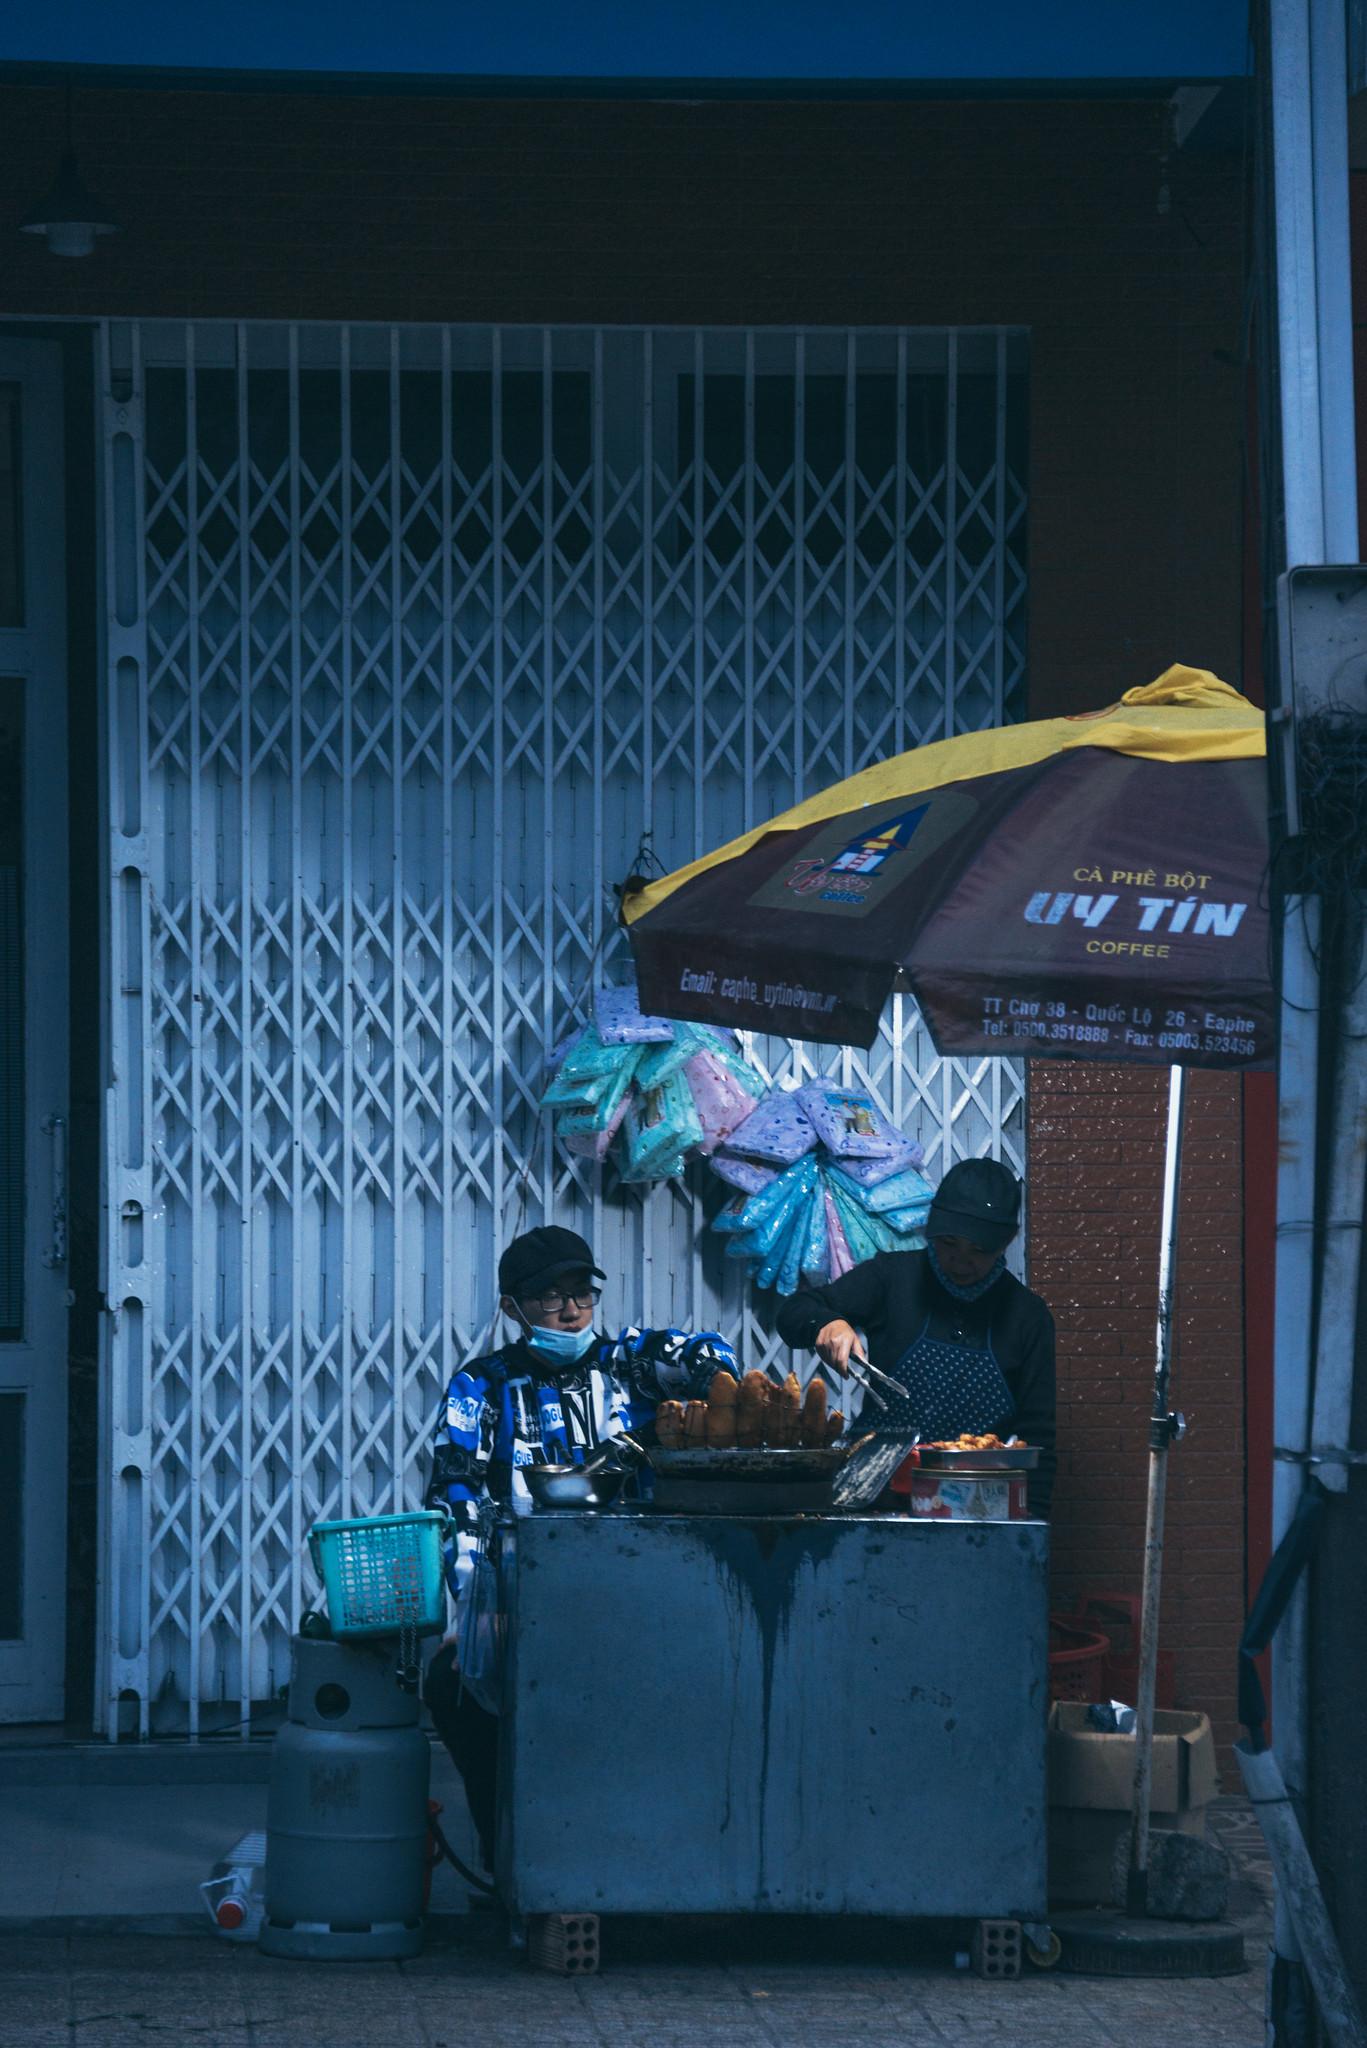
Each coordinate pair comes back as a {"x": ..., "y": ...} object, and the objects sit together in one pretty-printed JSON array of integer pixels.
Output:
[
  {"x": 346, "y": 1814},
  {"x": 233, "y": 1893}
]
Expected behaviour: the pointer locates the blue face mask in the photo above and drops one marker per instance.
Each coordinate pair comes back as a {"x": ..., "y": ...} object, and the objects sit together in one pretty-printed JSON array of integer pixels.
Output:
[{"x": 560, "y": 1347}]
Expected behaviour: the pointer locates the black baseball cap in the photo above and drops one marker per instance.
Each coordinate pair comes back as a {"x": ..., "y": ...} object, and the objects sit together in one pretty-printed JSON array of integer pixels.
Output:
[
  {"x": 979, "y": 1199},
  {"x": 540, "y": 1256}
]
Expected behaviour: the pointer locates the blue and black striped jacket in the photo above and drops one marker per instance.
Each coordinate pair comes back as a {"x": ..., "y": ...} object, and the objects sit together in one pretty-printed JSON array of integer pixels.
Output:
[{"x": 510, "y": 1409}]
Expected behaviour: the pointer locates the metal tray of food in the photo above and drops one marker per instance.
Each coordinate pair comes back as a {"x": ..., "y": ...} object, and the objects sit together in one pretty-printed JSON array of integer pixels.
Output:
[
  {"x": 1011, "y": 1458},
  {"x": 816, "y": 1462}
]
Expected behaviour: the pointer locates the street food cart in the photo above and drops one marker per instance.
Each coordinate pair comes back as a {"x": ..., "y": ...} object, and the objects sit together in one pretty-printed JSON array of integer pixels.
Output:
[{"x": 774, "y": 1712}]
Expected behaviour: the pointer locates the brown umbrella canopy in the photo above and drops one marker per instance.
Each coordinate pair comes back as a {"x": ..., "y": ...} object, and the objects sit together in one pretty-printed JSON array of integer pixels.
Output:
[{"x": 1084, "y": 889}]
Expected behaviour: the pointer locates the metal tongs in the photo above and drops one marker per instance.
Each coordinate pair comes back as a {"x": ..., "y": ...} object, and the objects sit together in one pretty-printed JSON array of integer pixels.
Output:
[{"x": 876, "y": 1383}]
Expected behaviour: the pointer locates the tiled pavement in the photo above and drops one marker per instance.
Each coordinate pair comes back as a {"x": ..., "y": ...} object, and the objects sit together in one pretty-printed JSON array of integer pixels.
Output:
[
  {"x": 745, "y": 1985},
  {"x": 101, "y": 1991}
]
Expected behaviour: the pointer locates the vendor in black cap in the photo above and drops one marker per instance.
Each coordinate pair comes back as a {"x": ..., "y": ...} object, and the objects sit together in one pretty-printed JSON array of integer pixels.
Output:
[
  {"x": 973, "y": 1347},
  {"x": 556, "y": 1390}
]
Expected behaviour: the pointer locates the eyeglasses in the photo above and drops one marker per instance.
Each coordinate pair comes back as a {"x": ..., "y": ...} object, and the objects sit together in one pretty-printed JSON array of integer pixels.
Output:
[{"x": 553, "y": 1300}]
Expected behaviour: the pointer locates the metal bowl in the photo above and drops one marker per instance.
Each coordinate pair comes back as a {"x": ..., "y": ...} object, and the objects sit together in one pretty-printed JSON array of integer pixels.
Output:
[{"x": 569, "y": 1486}]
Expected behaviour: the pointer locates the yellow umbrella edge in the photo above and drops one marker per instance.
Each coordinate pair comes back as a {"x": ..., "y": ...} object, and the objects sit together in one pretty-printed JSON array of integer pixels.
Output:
[{"x": 1186, "y": 714}]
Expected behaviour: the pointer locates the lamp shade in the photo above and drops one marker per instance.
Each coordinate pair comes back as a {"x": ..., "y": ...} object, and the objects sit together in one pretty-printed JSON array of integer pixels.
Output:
[{"x": 69, "y": 215}]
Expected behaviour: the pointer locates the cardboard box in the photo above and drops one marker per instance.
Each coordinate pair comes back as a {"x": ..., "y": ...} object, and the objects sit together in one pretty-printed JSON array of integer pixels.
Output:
[
  {"x": 969, "y": 1497},
  {"x": 1091, "y": 1777}
]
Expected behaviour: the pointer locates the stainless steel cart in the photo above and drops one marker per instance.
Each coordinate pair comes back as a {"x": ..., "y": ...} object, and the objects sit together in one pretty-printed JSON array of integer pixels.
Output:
[{"x": 776, "y": 1714}]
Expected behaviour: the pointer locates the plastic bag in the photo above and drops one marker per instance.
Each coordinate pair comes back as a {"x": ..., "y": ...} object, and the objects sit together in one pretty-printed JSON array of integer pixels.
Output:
[
  {"x": 661, "y": 1124},
  {"x": 577, "y": 1120},
  {"x": 779, "y": 1266},
  {"x": 588, "y": 1137},
  {"x": 479, "y": 1635},
  {"x": 779, "y": 1130},
  {"x": 870, "y": 1173},
  {"x": 839, "y": 1258},
  {"x": 908, "y": 1223},
  {"x": 865, "y": 1235},
  {"x": 907, "y": 1189},
  {"x": 718, "y": 1096},
  {"x": 660, "y": 1062},
  {"x": 620, "y": 1021},
  {"x": 587, "y": 1057},
  {"x": 812, "y": 1255},
  {"x": 848, "y": 1121},
  {"x": 746, "y": 1174},
  {"x": 729, "y": 1218}
]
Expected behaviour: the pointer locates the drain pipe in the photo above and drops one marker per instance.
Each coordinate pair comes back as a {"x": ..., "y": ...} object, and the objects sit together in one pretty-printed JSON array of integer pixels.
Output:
[
  {"x": 1297, "y": 1081},
  {"x": 1331, "y": 1415}
]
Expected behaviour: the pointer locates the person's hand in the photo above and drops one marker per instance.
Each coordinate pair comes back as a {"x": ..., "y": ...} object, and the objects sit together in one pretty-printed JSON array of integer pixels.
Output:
[{"x": 834, "y": 1343}]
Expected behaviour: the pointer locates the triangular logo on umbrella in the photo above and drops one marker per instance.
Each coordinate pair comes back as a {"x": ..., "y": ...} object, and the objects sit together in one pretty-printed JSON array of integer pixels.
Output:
[{"x": 863, "y": 855}]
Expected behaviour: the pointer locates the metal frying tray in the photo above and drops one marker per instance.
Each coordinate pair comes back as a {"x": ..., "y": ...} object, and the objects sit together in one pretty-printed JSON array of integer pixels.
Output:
[
  {"x": 1019, "y": 1458},
  {"x": 816, "y": 1463}
]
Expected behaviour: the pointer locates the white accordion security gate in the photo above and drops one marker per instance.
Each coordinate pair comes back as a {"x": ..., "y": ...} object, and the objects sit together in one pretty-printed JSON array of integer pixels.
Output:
[{"x": 411, "y": 635}]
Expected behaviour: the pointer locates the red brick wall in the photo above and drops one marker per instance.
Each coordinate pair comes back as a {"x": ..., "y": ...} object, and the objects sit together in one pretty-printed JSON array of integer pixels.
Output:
[{"x": 1096, "y": 1138}]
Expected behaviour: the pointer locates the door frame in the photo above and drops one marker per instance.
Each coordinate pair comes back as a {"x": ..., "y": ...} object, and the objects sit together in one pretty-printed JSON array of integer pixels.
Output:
[{"x": 33, "y": 1665}]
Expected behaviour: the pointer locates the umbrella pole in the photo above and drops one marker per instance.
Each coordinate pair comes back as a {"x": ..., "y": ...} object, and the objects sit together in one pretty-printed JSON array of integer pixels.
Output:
[{"x": 1162, "y": 1430}]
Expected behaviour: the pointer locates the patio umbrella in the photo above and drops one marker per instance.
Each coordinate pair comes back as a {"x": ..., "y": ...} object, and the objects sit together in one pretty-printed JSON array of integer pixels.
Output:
[
  {"x": 1070, "y": 888},
  {"x": 1078, "y": 888}
]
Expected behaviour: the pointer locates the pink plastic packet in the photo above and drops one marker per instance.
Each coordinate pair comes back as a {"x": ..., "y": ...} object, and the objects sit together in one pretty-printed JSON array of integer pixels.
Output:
[
  {"x": 837, "y": 1244},
  {"x": 722, "y": 1103}
]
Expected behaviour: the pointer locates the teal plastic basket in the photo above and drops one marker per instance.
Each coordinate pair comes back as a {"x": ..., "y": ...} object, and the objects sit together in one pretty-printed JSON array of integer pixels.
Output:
[{"x": 381, "y": 1573}]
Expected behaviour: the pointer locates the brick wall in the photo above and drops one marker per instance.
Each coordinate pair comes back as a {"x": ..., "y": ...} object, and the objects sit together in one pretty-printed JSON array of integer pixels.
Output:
[
  {"x": 1096, "y": 1137},
  {"x": 1075, "y": 218}
]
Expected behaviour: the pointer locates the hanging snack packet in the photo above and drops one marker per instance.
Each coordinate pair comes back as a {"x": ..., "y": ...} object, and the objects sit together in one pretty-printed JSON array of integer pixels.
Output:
[
  {"x": 907, "y": 1189},
  {"x": 782, "y": 1268},
  {"x": 768, "y": 1215},
  {"x": 840, "y": 1257},
  {"x": 779, "y": 1129},
  {"x": 618, "y": 1016},
  {"x": 729, "y": 1218},
  {"x": 661, "y": 1124},
  {"x": 659, "y": 1062},
  {"x": 585, "y": 1136},
  {"x": 746, "y": 1174},
  {"x": 870, "y": 1172},
  {"x": 865, "y": 1235},
  {"x": 718, "y": 1096},
  {"x": 848, "y": 1121},
  {"x": 587, "y": 1058},
  {"x": 569, "y": 1094},
  {"x": 909, "y": 1223},
  {"x": 577, "y": 1119},
  {"x": 815, "y": 1259}
]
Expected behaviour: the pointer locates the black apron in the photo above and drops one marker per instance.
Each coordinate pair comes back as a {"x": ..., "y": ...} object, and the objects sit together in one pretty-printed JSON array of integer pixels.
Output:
[{"x": 953, "y": 1389}]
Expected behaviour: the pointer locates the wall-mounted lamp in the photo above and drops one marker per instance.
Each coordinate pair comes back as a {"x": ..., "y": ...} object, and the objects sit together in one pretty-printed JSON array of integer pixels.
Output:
[{"x": 70, "y": 216}]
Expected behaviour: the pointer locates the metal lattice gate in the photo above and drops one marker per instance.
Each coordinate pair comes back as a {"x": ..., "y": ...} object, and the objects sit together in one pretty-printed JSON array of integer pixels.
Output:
[{"x": 411, "y": 634}]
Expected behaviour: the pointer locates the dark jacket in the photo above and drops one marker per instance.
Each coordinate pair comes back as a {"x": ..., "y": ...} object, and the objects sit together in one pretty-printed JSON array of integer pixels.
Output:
[{"x": 891, "y": 1298}]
